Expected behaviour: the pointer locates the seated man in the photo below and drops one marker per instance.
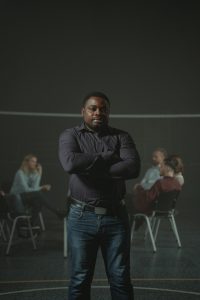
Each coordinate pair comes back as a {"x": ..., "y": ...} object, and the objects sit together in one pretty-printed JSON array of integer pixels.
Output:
[
  {"x": 143, "y": 200},
  {"x": 153, "y": 173}
]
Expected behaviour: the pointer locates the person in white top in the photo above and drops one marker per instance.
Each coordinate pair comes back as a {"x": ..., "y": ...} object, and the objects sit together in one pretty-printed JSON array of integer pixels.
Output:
[{"x": 179, "y": 168}]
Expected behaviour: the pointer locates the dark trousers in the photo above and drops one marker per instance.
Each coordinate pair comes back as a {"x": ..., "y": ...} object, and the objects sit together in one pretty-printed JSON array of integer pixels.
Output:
[
  {"x": 87, "y": 232},
  {"x": 34, "y": 201}
]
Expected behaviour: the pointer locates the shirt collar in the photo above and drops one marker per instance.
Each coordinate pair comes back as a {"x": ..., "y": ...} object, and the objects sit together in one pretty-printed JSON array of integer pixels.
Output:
[{"x": 83, "y": 127}]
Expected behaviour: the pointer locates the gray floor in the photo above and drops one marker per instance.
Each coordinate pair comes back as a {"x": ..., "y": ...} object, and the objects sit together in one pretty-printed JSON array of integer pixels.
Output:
[{"x": 170, "y": 273}]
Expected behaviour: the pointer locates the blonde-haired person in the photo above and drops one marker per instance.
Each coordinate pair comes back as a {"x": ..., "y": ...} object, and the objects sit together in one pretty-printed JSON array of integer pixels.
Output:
[
  {"x": 28, "y": 192},
  {"x": 28, "y": 177},
  {"x": 30, "y": 162}
]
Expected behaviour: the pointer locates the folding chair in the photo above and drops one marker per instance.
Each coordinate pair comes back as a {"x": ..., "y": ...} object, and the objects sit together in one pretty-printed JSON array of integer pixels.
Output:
[
  {"x": 164, "y": 208},
  {"x": 14, "y": 220},
  {"x": 9, "y": 221}
]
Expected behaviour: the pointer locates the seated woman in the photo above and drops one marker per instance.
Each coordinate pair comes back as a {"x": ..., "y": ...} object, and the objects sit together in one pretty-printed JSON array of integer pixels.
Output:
[
  {"x": 29, "y": 194},
  {"x": 142, "y": 201},
  {"x": 178, "y": 172}
]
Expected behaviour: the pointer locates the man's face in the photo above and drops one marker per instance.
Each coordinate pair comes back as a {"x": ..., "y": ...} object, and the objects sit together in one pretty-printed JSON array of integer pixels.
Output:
[
  {"x": 96, "y": 113},
  {"x": 157, "y": 158}
]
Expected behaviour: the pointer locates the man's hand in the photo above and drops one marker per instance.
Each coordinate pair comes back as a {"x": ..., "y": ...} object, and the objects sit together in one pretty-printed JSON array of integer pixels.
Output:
[
  {"x": 2, "y": 193},
  {"x": 46, "y": 187},
  {"x": 110, "y": 157}
]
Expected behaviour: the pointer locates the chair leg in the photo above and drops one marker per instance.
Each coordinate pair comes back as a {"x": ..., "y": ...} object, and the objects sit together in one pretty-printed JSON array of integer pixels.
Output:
[
  {"x": 152, "y": 222},
  {"x": 11, "y": 236},
  {"x": 2, "y": 232},
  {"x": 65, "y": 237},
  {"x": 13, "y": 231},
  {"x": 132, "y": 229},
  {"x": 174, "y": 227},
  {"x": 149, "y": 230},
  {"x": 31, "y": 233},
  {"x": 157, "y": 225},
  {"x": 41, "y": 221},
  {"x": 151, "y": 234}
]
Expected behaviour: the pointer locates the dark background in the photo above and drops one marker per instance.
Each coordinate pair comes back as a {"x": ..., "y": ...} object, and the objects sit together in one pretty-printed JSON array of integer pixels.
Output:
[{"x": 144, "y": 55}]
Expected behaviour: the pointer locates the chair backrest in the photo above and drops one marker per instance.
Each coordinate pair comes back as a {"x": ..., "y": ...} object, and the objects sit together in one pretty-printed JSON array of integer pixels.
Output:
[
  {"x": 166, "y": 201},
  {"x": 6, "y": 185},
  {"x": 7, "y": 205}
]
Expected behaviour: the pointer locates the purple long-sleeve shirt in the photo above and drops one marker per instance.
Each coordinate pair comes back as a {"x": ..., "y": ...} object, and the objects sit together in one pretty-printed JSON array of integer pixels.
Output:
[{"x": 98, "y": 163}]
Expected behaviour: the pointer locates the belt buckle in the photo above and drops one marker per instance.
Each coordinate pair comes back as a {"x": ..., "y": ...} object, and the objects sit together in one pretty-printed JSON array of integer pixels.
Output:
[{"x": 100, "y": 210}]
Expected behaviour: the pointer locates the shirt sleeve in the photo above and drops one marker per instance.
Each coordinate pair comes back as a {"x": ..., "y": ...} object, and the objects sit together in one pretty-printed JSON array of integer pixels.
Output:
[
  {"x": 36, "y": 181},
  {"x": 21, "y": 183},
  {"x": 129, "y": 165},
  {"x": 150, "y": 177},
  {"x": 72, "y": 159},
  {"x": 154, "y": 192}
]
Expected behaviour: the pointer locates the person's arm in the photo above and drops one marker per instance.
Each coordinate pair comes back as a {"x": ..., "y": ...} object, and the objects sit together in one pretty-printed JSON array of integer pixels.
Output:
[
  {"x": 36, "y": 181},
  {"x": 144, "y": 199},
  {"x": 154, "y": 192},
  {"x": 129, "y": 165},
  {"x": 74, "y": 160},
  {"x": 21, "y": 182},
  {"x": 107, "y": 164},
  {"x": 150, "y": 177},
  {"x": 180, "y": 178}
]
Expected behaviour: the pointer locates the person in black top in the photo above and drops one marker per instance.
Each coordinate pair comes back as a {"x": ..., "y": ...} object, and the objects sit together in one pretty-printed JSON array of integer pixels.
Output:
[{"x": 99, "y": 159}]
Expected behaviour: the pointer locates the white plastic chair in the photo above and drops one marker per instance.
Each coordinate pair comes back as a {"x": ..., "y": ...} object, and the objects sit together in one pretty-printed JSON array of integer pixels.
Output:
[
  {"x": 164, "y": 209},
  {"x": 14, "y": 221}
]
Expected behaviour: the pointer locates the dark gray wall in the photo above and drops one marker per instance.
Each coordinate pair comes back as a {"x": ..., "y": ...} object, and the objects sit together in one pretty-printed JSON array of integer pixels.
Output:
[{"x": 144, "y": 56}]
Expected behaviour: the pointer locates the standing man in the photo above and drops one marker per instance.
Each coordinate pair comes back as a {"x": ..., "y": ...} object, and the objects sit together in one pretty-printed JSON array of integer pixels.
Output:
[{"x": 99, "y": 159}]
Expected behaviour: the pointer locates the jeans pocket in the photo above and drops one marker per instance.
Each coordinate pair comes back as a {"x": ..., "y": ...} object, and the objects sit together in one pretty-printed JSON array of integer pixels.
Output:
[{"x": 75, "y": 212}]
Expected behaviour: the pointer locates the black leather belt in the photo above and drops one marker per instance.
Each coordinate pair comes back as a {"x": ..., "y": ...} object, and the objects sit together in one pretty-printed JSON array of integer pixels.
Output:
[{"x": 96, "y": 209}]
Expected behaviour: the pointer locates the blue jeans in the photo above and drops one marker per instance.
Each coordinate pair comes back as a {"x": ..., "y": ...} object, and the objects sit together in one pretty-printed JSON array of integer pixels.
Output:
[{"x": 87, "y": 232}]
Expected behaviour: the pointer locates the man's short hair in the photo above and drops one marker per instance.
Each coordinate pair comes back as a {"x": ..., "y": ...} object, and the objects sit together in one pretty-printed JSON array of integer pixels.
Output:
[
  {"x": 95, "y": 94},
  {"x": 161, "y": 150}
]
